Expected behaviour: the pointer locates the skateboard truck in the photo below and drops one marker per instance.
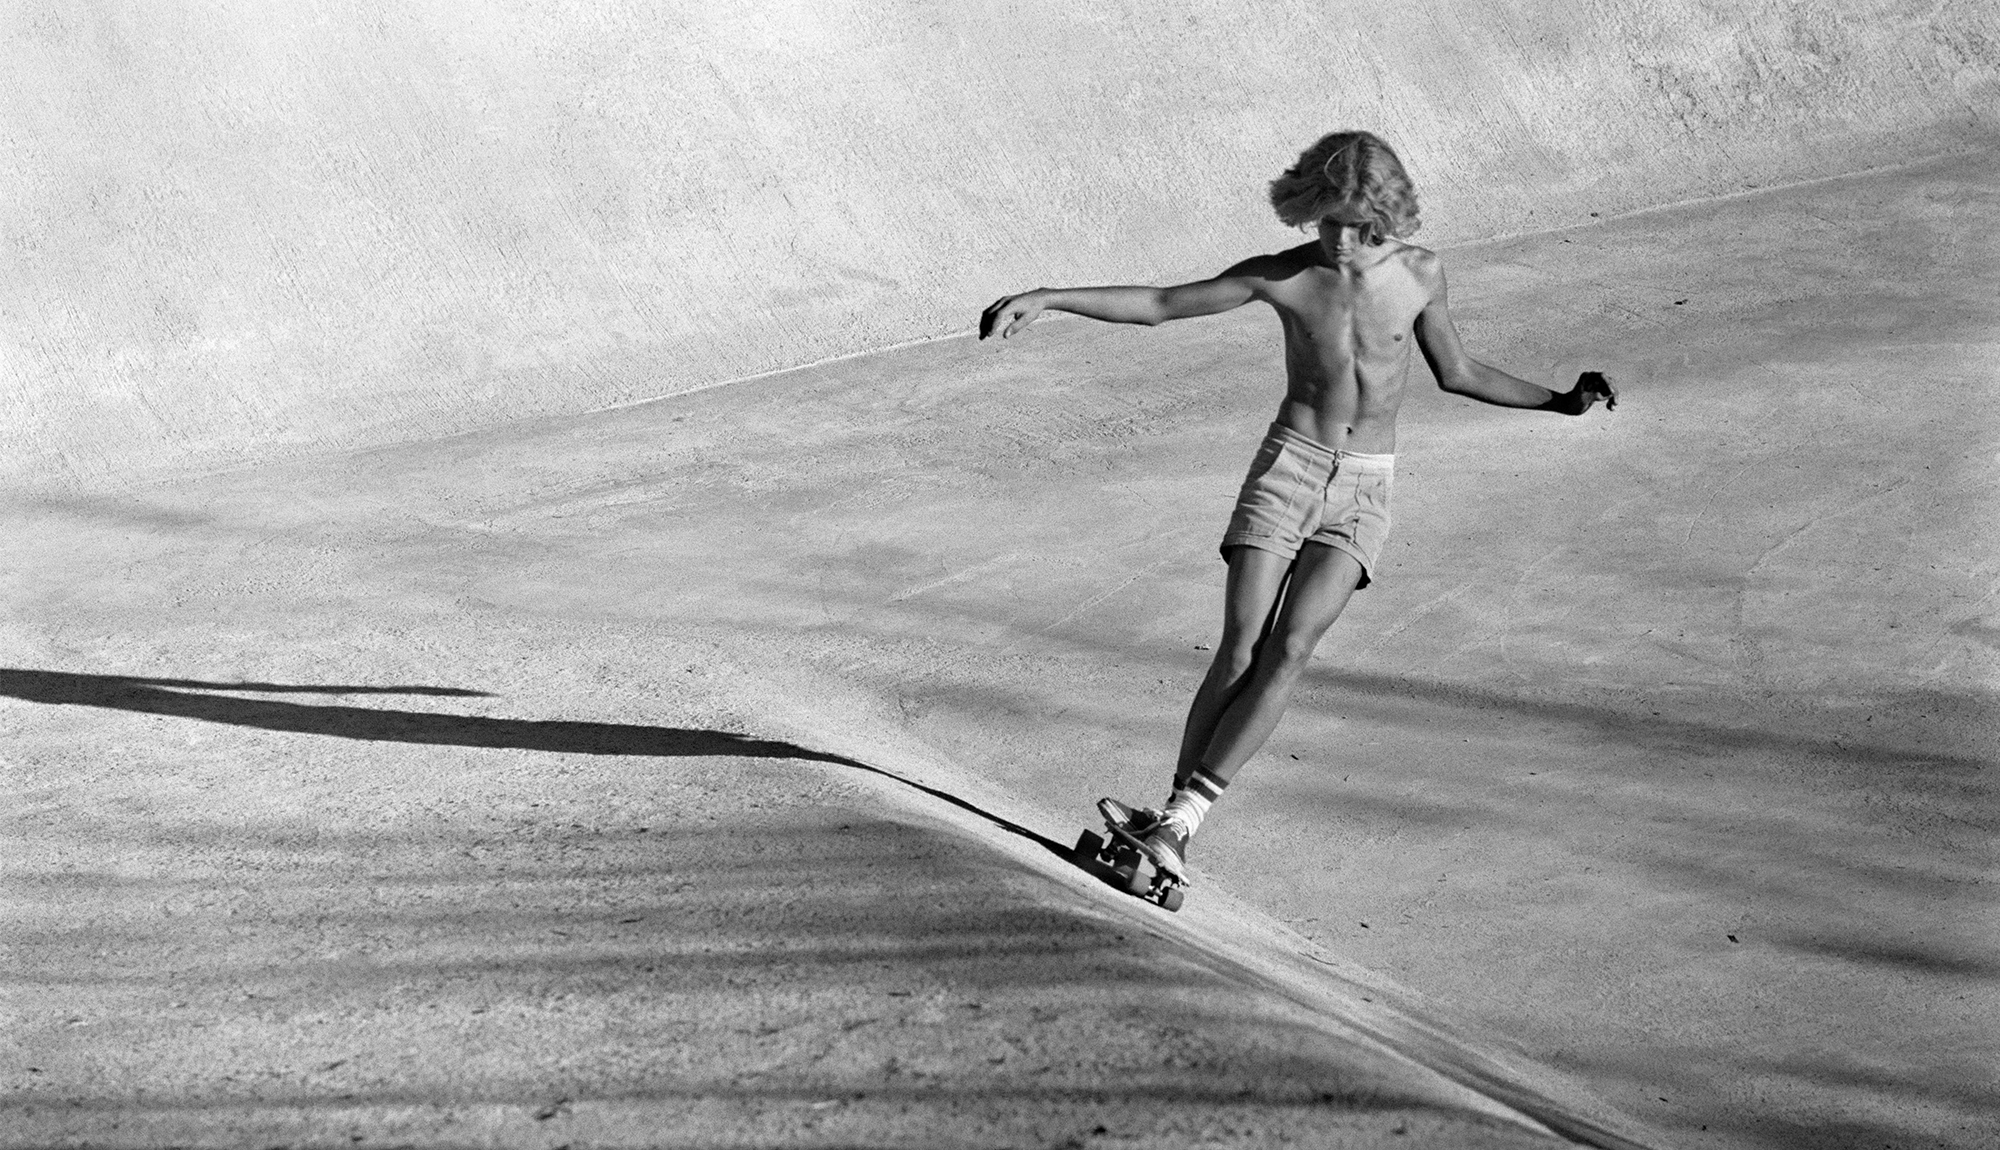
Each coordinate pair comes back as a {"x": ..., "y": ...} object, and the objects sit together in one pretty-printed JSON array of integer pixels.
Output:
[{"x": 1123, "y": 864}]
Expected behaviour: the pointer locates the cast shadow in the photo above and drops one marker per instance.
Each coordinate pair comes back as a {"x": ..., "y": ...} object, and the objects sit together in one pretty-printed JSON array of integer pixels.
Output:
[{"x": 203, "y": 701}]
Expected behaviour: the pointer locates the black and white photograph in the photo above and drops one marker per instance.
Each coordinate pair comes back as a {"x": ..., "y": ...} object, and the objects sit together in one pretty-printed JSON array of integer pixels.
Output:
[{"x": 1067, "y": 575}]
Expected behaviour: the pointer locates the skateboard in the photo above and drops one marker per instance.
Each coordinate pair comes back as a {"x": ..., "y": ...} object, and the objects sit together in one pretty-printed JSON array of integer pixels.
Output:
[{"x": 1121, "y": 863}]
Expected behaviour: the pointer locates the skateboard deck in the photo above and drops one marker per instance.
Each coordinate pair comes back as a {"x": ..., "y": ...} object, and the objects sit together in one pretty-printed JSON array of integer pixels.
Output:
[{"x": 1121, "y": 863}]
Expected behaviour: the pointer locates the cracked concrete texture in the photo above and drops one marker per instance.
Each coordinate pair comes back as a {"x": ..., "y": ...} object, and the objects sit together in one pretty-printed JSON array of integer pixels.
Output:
[{"x": 1663, "y": 745}]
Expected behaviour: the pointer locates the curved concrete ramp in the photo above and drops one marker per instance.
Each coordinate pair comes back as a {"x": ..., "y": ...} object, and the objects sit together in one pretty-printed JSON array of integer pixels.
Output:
[
  {"x": 453, "y": 793},
  {"x": 459, "y": 791},
  {"x": 244, "y": 232}
]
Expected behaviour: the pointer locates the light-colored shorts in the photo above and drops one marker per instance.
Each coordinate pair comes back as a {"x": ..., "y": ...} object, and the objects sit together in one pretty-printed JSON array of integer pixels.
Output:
[{"x": 1301, "y": 491}]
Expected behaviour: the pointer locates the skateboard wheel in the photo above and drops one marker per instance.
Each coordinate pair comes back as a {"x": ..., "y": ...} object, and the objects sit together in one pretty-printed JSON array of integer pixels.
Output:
[
  {"x": 1172, "y": 897},
  {"x": 1138, "y": 884},
  {"x": 1088, "y": 845}
]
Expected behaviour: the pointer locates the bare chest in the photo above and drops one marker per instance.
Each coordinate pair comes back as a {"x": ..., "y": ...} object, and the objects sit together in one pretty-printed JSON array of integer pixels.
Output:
[{"x": 1361, "y": 317}]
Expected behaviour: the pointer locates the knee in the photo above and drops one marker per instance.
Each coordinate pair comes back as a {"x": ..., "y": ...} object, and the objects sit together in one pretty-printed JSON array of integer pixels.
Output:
[{"x": 1287, "y": 657}]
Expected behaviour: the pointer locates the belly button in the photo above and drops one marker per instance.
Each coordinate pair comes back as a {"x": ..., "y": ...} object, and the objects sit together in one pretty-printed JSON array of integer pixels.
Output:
[{"x": 1397, "y": 338}]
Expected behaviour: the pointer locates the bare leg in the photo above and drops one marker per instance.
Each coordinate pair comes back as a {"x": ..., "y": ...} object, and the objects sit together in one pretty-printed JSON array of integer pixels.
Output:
[
  {"x": 1251, "y": 596},
  {"x": 1322, "y": 580}
]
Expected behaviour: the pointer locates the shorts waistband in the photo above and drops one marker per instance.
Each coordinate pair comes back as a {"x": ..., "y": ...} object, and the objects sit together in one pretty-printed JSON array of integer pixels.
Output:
[{"x": 1353, "y": 460}]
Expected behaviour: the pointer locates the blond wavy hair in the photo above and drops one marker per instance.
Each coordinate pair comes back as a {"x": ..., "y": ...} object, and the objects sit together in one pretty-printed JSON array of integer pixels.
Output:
[{"x": 1348, "y": 167}]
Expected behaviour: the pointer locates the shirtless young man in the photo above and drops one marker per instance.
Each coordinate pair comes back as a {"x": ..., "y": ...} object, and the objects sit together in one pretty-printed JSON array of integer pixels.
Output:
[{"x": 1314, "y": 511}]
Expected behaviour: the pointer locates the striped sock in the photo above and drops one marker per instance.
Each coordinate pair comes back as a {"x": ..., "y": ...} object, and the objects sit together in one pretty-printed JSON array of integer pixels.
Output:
[{"x": 1192, "y": 799}]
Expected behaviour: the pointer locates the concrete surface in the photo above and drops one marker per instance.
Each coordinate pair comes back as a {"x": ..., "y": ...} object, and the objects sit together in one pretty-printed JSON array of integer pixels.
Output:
[
  {"x": 696, "y": 772},
  {"x": 237, "y": 232},
  {"x": 408, "y": 915},
  {"x": 1663, "y": 746}
]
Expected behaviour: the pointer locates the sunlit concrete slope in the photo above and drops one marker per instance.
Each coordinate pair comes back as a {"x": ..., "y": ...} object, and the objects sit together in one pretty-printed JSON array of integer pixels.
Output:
[
  {"x": 501, "y": 881},
  {"x": 239, "y": 232}
]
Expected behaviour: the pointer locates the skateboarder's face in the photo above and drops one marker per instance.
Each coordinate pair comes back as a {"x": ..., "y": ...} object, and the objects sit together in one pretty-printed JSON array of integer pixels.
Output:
[{"x": 1344, "y": 229}]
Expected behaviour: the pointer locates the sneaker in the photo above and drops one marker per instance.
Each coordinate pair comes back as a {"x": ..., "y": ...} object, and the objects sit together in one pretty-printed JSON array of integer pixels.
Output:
[
  {"x": 1132, "y": 820},
  {"x": 1167, "y": 847}
]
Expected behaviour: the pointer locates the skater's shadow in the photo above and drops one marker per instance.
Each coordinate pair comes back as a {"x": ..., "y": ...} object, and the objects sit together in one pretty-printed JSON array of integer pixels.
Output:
[{"x": 214, "y": 702}]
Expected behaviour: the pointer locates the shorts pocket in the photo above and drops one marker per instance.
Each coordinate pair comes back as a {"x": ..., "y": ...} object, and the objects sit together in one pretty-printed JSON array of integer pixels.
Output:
[
  {"x": 1371, "y": 512},
  {"x": 1371, "y": 492},
  {"x": 1267, "y": 458},
  {"x": 1269, "y": 501}
]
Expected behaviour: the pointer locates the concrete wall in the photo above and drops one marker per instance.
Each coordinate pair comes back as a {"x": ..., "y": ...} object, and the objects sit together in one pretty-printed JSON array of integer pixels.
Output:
[{"x": 233, "y": 232}]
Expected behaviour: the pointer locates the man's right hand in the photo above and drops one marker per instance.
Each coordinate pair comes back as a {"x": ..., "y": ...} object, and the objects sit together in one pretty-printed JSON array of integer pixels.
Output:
[
  {"x": 1590, "y": 387},
  {"x": 1009, "y": 314}
]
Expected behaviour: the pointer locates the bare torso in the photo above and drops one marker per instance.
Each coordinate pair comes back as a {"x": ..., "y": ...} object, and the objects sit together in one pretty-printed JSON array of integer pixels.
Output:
[{"x": 1348, "y": 334}]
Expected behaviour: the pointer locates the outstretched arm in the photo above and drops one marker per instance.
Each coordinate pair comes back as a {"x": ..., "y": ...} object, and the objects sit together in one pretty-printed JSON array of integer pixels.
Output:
[
  {"x": 1460, "y": 374},
  {"x": 1147, "y": 305}
]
